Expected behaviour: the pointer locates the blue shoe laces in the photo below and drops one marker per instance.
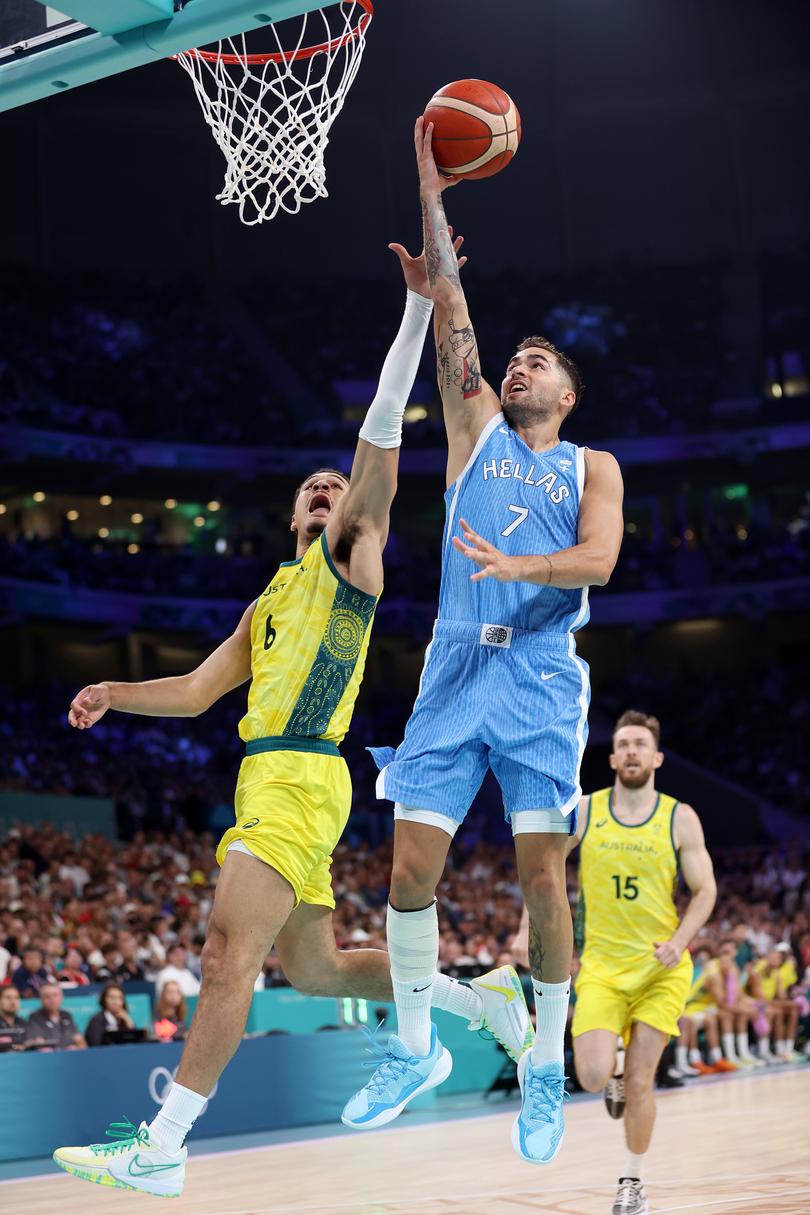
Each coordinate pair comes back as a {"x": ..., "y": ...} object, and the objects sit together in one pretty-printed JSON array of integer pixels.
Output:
[
  {"x": 544, "y": 1096},
  {"x": 388, "y": 1067}
]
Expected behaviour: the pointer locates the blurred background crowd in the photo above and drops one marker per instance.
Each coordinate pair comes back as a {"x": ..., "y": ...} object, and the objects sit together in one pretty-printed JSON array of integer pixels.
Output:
[{"x": 120, "y": 914}]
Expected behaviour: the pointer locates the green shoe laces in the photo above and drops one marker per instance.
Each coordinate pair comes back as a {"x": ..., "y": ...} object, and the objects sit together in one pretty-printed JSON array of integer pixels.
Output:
[{"x": 125, "y": 1135}]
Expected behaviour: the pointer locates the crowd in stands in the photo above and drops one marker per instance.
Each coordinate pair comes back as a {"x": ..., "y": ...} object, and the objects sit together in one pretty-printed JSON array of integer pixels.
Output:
[
  {"x": 103, "y": 356},
  {"x": 121, "y": 913},
  {"x": 180, "y": 772},
  {"x": 107, "y": 356},
  {"x": 762, "y": 749},
  {"x": 774, "y": 545}
]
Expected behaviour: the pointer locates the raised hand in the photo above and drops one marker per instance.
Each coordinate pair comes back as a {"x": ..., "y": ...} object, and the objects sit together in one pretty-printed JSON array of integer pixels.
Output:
[
  {"x": 493, "y": 563},
  {"x": 431, "y": 181},
  {"x": 414, "y": 269},
  {"x": 89, "y": 705}
]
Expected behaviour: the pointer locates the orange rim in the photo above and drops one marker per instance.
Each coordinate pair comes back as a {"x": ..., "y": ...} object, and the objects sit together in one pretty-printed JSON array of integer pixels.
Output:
[{"x": 306, "y": 52}]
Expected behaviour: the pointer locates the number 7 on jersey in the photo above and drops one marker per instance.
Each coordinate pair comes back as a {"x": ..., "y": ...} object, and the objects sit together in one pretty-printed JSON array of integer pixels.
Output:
[{"x": 522, "y": 513}]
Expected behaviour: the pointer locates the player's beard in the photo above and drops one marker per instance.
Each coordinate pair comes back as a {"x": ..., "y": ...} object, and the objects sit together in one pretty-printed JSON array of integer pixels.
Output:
[
  {"x": 527, "y": 410},
  {"x": 634, "y": 780}
]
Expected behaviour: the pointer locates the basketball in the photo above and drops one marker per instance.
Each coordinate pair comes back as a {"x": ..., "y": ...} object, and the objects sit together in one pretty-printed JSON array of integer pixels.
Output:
[{"x": 476, "y": 128}]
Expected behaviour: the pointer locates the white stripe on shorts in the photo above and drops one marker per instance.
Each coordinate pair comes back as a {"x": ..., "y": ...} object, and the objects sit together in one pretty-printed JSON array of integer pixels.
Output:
[
  {"x": 431, "y": 818},
  {"x": 540, "y": 822}
]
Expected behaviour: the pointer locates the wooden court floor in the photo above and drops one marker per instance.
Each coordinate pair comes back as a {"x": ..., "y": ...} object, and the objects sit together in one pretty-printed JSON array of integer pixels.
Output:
[{"x": 740, "y": 1146}]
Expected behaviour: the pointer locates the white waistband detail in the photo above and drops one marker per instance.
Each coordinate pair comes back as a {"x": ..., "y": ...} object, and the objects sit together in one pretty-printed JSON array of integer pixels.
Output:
[{"x": 499, "y": 635}]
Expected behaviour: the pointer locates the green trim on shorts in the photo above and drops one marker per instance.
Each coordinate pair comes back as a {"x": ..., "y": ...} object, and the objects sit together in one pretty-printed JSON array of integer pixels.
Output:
[{"x": 292, "y": 742}]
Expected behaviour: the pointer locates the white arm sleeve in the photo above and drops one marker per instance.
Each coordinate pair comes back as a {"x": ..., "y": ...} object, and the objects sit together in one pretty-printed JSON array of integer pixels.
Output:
[{"x": 383, "y": 424}]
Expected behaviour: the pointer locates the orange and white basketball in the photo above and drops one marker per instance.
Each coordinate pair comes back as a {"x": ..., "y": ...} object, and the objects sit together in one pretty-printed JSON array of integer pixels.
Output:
[{"x": 476, "y": 128}]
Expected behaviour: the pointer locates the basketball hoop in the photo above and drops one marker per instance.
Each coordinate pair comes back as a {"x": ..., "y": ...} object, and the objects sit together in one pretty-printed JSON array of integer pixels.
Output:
[{"x": 271, "y": 113}]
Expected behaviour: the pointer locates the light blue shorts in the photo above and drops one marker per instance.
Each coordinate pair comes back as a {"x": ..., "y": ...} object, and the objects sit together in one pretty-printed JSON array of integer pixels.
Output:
[{"x": 499, "y": 698}]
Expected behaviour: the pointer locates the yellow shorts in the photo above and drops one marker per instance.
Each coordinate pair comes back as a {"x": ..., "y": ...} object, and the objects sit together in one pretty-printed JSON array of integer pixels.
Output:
[
  {"x": 291, "y": 809},
  {"x": 650, "y": 993}
]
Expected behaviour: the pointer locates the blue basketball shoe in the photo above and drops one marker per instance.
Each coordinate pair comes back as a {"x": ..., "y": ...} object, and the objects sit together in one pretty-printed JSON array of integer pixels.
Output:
[
  {"x": 398, "y": 1077},
  {"x": 537, "y": 1132}
]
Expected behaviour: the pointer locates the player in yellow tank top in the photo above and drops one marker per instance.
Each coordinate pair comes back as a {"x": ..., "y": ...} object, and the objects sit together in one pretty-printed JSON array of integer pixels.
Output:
[
  {"x": 635, "y": 970},
  {"x": 304, "y": 644}
]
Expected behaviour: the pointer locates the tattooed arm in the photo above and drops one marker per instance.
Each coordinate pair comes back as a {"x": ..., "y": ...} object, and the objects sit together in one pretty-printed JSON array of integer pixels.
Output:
[{"x": 469, "y": 402}]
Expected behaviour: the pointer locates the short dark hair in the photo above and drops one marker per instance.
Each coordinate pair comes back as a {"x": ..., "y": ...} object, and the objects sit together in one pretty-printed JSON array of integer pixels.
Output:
[
  {"x": 632, "y": 717},
  {"x": 568, "y": 365},
  {"x": 9, "y": 987},
  {"x": 329, "y": 472}
]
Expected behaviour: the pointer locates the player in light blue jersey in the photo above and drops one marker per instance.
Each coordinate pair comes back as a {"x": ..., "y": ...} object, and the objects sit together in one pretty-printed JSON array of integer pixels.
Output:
[{"x": 502, "y": 685}]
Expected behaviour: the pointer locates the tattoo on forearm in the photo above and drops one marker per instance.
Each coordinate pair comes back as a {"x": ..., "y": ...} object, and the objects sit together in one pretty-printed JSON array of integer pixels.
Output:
[
  {"x": 536, "y": 952},
  {"x": 457, "y": 360},
  {"x": 440, "y": 256}
]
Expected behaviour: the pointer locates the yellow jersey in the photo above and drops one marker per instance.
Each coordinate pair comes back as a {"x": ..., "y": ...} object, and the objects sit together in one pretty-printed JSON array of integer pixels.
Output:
[
  {"x": 783, "y": 976},
  {"x": 700, "y": 998},
  {"x": 627, "y": 880},
  {"x": 309, "y": 638}
]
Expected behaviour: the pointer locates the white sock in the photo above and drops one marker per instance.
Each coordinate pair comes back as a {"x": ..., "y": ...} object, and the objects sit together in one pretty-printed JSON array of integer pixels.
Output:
[
  {"x": 764, "y": 1047},
  {"x": 780, "y": 1047},
  {"x": 177, "y": 1116},
  {"x": 456, "y": 998},
  {"x": 413, "y": 946},
  {"x": 743, "y": 1049},
  {"x": 633, "y": 1166},
  {"x": 728, "y": 1047},
  {"x": 551, "y": 1006},
  {"x": 789, "y": 1045},
  {"x": 695, "y": 1056},
  {"x": 681, "y": 1058},
  {"x": 715, "y": 1054}
]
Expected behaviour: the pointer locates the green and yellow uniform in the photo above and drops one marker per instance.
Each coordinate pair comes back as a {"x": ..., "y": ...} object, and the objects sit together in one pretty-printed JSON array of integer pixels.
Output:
[
  {"x": 774, "y": 981},
  {"x": 309, "y": 638},
  {"x": 627, "y": 879},
  {"x": 699, "y": 998}
]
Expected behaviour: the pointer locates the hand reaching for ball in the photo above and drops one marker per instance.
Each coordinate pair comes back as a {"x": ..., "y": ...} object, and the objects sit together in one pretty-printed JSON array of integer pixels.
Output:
[
  {"x": 415, "y": 270},
  {"x": 431, "y": 181}
]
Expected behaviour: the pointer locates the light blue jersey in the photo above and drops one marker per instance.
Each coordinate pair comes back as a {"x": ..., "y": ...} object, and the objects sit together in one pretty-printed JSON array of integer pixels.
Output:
[
  {"x": 502, "y": 687},
  {"x": 522, "y": 502}
]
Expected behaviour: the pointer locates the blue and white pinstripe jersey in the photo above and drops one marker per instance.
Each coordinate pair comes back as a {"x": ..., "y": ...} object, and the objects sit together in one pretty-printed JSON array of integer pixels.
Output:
[{"x": 522, "y": 502}]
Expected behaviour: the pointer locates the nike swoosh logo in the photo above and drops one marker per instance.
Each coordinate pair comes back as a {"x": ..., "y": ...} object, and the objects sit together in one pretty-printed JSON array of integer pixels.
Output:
[
  {"x": 138, "y": 1169},
  {"x": 509, "y": 992},
  {"x": 601, "y": 822},
  {"x": 545, "y": 676},
  {"x": 416, "y": 989}
]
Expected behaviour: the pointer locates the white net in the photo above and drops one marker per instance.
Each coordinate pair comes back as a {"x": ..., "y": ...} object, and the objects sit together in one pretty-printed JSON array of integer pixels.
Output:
[{"x": 272, "y": 118}]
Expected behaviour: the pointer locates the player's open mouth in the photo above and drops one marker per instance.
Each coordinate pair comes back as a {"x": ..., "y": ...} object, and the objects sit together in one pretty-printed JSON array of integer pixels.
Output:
[
  {"x": 320, "y": 504},
  {"x": 516, "y": 386}
]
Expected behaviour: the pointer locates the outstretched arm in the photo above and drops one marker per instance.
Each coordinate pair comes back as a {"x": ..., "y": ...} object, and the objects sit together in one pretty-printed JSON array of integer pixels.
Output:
[
  {"x": 698, "y": 872},
  {"x": 468, "y": 400},
  {"x": 359, "y": 529},
  {"x": 180, "y": 695},
  {"x": 590, "y": 562}
]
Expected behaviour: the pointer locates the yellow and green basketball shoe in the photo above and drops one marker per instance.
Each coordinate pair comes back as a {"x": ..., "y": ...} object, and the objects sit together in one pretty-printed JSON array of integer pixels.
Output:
[
  {"x": 130, "y": 1161},
  {"x": 505, "y": 1013}
]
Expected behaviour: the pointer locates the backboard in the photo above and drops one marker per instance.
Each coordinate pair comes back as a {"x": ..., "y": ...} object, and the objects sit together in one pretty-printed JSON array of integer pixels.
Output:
[
  {"x": 27, "y": 27},
  {"x": 45, "y": 50}
]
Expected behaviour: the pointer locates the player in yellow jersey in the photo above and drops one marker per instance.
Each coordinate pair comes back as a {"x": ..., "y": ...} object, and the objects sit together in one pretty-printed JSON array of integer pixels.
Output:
[
  {"x": 303, "y": 642},
  {"x": 635, "y": 970},
  {"x": 714, "y": 989},
  {"x": 769, "y": 984}
]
